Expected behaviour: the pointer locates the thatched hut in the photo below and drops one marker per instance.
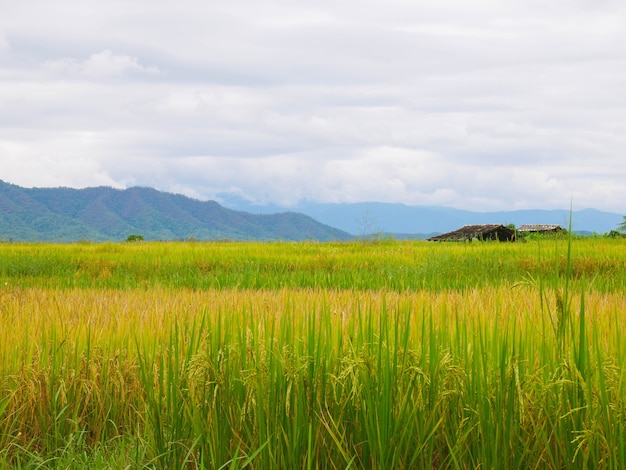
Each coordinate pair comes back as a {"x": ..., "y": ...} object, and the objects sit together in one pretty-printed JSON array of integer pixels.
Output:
[
  {"x": 479, "y": 232},
  {"x": 539, "y": 228}
]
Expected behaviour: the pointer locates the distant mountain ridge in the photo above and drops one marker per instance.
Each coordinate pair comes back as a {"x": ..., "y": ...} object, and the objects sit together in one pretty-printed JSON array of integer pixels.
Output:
[
  {"x": 107, "y": 214},
  {"x": 103, "y": 213},
  {"x": 368, "y": 217}
]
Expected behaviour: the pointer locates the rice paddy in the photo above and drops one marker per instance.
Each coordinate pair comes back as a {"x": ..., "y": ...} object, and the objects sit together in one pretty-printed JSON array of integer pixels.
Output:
[{"x": 313, "y": 355}]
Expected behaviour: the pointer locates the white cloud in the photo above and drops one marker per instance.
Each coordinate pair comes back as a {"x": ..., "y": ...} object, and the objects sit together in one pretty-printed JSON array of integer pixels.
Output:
[
  {"x": 4, "y": 44},
  {"x": 447, "y": 102},
  {"x": 100, "y": 65},
  {"x": 51, "y": 171}
]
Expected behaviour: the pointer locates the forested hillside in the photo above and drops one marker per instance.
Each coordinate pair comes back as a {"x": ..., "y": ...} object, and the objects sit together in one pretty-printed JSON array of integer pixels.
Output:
[{"x": 100, "y": 214}]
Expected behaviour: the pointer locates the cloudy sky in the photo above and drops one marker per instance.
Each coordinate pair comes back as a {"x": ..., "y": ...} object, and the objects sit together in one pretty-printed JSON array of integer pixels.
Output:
[{"x": 481, "y": 104}]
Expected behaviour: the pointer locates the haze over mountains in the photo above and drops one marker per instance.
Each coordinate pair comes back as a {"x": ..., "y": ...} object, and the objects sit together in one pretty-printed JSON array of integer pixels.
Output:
[
  {"x": 367, "y": 217},
  {"x": 103, "y": 213}
]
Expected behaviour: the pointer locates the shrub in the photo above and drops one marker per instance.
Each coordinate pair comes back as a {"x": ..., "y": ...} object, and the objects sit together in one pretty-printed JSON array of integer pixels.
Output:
[{"x": 135, "y": 238}]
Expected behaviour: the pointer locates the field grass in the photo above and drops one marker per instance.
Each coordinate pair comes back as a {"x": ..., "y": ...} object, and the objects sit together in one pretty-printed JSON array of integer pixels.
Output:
[
  {"x": 307, "y": 355},
  {"x": 385, "y": 265}
]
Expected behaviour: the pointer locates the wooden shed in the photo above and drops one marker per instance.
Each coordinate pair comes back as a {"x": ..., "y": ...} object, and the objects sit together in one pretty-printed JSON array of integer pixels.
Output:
[
  {"x": 539, "y": 228},
  {"x": 480, "y": 232}
]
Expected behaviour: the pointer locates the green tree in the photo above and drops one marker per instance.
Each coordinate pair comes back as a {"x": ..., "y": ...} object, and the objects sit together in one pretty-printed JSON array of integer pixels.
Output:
[
  {"x": 622, "y": 226},
  {"x": 135, "y": 238}
]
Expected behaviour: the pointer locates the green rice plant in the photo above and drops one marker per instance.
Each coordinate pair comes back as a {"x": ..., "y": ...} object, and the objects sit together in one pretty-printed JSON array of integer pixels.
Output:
[
  {"x": 314, "y": 355},
  {"x": 393, "y": 265}
]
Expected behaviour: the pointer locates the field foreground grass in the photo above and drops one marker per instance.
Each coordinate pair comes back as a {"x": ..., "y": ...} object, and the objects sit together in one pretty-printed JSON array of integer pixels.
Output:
[{"x": 525, "y": 372}]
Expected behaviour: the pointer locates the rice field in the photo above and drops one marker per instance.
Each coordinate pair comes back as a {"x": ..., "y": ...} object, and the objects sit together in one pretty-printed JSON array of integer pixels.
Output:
[{"x": 313, "y": 355}]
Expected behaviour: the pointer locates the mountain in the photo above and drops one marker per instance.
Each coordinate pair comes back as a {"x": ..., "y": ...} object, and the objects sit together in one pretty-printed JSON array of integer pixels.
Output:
[
  {"x": 369, "y": 217},
  {"x": 101, "y": 214}
]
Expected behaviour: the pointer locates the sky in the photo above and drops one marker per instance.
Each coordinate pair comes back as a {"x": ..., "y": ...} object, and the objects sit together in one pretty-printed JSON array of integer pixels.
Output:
[{"x": 474, "y": 104}]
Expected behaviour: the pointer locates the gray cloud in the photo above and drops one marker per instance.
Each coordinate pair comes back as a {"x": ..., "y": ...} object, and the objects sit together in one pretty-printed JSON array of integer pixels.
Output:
[{"x": 488, "y": 105}]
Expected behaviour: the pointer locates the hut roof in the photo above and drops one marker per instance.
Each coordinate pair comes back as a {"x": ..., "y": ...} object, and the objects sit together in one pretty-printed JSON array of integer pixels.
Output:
[
  {"x": 539, "y": 228},
  {"x": 483, "y": 231}
]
